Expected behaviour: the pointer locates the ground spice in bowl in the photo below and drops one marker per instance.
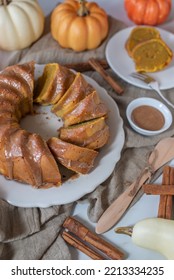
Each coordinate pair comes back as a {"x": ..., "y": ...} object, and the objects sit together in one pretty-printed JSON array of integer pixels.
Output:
[{"x": 148, "y": 117}]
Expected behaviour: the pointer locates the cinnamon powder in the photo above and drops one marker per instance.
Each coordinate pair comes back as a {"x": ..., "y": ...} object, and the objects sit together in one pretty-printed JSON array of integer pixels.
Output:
[{"x": 148, "y": 117}]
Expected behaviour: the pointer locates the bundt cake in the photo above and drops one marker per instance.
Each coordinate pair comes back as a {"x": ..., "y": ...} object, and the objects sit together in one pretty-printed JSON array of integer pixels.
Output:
[
  {"x": 27, "y": 157},
  {"x": 140, "y": 34},
  {"x": 23, "y": 156},
  {"x": 76, "y": 92},
  {"x": 52, "y": 85},
  {"x": 92, "y": 134},
  {"x": 73, "y": 157}
]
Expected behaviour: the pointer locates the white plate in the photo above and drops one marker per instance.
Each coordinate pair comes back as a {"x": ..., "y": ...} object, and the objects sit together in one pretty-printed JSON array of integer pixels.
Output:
[
  {"x": 46, "y": 124},
  {"x": 123, "y": 65}
]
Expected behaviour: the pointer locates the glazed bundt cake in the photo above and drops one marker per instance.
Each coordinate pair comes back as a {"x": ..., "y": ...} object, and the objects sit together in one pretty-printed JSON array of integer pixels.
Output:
[
  {"x": 73, "y": 157},
  {"x": 23, "y": 156},
  {"x": 26, "y": 156},
  {"x": 92, "y": 134}
]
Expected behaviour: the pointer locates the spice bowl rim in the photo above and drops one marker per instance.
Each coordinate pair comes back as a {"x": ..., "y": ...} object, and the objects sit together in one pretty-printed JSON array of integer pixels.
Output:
[{"x": 153, "y": 103}]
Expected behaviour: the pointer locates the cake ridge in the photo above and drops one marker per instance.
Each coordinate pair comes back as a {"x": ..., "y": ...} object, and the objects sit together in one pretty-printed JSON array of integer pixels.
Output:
[
  {"x": 75, "y": 93},
  {"x": 14, "y": 80}
]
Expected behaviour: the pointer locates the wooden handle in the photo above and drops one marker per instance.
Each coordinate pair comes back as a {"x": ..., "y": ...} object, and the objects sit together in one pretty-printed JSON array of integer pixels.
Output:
[
  {"x": 115, "y": 211},
  {"x": 118, "y": 89}
]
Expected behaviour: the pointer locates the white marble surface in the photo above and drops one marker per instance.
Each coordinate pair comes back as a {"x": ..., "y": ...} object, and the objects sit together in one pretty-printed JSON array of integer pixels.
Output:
[{"x": 147, "y": 205}]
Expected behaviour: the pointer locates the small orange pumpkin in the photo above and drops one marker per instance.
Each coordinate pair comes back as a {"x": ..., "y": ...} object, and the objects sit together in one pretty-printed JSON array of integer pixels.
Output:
[
  {"x": 148, "y": 12},
  {"x": 79, "y": 25}
]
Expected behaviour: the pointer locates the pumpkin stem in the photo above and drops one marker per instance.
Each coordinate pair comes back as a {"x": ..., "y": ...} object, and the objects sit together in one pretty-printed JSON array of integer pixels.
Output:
[
  {"x": 82, "y": 11},
  {"x": 124, "y": 230},
  {"x": 4, "y": 2}
]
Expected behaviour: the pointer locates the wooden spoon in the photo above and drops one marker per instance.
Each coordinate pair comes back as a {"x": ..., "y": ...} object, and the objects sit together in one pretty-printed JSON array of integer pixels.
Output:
[{"x": 162, "y": 154}]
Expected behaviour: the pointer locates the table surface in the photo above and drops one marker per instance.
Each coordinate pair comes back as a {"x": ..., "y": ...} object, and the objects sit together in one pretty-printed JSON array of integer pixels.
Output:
[{"x": 147, "y": 205}]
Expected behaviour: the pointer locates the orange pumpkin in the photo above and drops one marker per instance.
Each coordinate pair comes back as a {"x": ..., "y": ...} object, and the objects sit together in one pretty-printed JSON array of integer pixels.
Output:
[
  {"x": 79, "y": 25},
  {"x": 148, "y": 12}
]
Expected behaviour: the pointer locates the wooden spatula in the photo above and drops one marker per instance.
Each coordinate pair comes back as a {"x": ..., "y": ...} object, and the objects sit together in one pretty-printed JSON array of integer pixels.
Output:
[{"x": 162, "y": 154}]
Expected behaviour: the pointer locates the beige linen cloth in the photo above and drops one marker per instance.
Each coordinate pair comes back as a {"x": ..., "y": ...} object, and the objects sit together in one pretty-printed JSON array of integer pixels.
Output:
[{"x": 34, "y": 233}]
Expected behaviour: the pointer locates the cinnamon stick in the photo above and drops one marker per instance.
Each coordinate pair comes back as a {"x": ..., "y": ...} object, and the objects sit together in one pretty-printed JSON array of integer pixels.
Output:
[
  {"x": 86, "y": 66},
  {"x": 73, "y": 241},
  {"x": 159, "y": 189},
  {"x": 96, "y": 66},
  {"x": 84, "y": 234},
  {"x": 169, "y": 199},
  {"x": 165, "y": 203}
]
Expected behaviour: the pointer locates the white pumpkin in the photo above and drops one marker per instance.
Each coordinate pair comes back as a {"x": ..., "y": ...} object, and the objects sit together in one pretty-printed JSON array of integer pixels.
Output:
[{"x": 21, "y": 23}]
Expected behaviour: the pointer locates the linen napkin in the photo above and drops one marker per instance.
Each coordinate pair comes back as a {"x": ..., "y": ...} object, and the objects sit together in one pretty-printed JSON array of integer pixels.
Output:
[{"x": 34, "y": 233}]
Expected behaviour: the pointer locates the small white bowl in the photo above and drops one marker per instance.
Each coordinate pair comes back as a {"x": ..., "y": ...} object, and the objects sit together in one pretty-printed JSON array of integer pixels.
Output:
[{"x": 153, "y": 103}]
